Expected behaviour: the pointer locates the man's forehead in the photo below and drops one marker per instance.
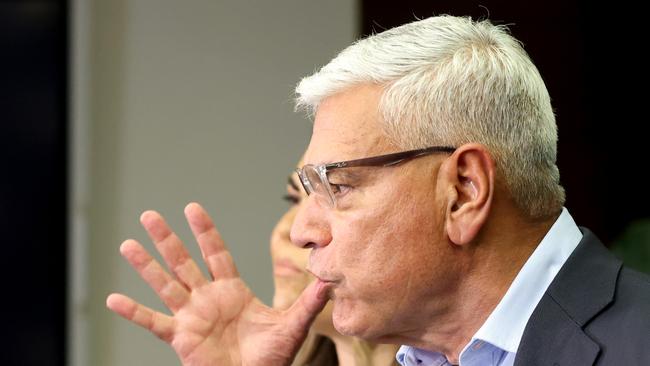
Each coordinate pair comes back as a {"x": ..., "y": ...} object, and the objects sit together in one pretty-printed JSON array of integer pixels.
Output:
[{"x": 347, "y": 127}]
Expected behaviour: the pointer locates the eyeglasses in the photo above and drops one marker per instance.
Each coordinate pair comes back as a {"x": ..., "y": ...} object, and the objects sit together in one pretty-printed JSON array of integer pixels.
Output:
[{"x": 314, "y": 177}]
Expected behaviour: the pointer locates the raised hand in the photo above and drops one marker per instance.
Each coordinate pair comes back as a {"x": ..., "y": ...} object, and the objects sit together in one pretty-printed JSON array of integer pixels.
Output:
[{"x": 218, "y": 321}]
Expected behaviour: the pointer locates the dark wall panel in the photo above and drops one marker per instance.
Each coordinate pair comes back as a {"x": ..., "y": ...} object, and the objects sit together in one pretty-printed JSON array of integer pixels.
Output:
[{"x": 33, "y": 129}]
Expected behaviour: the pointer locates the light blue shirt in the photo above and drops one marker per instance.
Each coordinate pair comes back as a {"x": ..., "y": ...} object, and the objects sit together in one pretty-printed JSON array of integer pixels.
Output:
[{"x": 496, "y": 342}]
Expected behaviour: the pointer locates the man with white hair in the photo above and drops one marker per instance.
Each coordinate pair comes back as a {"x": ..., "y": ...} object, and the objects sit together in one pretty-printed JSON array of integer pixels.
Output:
[{"x": 435, "y": 218}]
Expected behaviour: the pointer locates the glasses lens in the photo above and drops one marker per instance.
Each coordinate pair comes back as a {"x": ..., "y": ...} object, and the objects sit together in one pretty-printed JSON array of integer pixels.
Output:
[{"x": 317, "y": 185}]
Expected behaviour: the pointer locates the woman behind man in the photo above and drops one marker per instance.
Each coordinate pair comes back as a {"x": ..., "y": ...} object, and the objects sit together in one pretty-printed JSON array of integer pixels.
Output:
[{"x": 324, "y": 345}]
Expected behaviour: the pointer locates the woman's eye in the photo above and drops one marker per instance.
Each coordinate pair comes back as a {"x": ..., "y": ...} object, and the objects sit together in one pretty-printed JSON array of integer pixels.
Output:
[{"x": 294, "y": 200}]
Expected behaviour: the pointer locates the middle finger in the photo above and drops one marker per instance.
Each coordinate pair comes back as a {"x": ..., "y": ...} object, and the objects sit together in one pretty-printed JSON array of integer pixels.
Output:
[{"x": 172, "y": 250}]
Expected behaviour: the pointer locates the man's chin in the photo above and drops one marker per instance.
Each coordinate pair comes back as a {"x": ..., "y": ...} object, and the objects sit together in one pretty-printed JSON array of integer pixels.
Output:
[{"x": 350, "y": 322}]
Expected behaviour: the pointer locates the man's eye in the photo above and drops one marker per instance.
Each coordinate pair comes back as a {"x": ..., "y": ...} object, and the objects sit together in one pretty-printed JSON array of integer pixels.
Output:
[{"x": 339, "y": 188}]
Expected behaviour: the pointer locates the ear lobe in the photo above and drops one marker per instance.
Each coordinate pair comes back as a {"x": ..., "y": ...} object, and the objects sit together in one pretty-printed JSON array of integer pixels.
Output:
[{"x": 471, "y": 173}]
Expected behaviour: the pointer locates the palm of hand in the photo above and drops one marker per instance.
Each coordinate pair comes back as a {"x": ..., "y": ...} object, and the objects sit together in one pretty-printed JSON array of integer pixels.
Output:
[{"x": 209, "y": 320}]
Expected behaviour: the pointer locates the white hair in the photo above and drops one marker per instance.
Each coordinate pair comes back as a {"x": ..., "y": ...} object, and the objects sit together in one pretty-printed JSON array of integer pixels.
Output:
[{"x": 451, "y": 81}]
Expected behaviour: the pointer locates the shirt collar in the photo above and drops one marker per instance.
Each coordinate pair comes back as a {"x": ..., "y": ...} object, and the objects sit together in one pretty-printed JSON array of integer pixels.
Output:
[
  {"x": 505, "y": 325},
  {"x": 407, "y": 355}
]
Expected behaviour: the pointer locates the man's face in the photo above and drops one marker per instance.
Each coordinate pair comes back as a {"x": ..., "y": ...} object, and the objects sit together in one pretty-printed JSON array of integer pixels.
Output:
[{"x": 384, "y": 246}]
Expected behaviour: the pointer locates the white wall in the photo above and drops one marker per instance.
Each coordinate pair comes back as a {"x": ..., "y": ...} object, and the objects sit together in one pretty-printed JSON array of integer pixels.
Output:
[{"x": 176, "y": 101}]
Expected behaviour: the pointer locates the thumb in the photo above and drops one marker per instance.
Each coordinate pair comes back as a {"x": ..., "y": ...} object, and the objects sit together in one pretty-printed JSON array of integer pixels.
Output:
[{"x": 303, "y": 312}]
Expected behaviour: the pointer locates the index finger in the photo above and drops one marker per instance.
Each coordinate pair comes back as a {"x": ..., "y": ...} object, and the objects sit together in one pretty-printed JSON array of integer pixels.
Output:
[{"x": 213, "y": 249}]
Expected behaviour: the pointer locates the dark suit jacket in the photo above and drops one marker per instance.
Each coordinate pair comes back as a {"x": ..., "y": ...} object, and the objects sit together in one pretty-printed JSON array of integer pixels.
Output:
[{"x": 595, "y": 312}]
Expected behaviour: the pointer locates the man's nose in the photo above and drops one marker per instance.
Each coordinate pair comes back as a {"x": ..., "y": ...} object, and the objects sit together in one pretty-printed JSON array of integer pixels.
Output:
[{"x": 311, "y": 228}]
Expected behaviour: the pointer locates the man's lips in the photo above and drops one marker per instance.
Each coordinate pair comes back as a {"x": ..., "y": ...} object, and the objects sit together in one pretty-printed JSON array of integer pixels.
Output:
[{"x": 322, "y": 278}]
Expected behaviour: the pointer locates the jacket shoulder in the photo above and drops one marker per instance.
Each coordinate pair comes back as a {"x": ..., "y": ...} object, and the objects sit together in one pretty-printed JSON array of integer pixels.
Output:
[{"x": 622, "y": 328}]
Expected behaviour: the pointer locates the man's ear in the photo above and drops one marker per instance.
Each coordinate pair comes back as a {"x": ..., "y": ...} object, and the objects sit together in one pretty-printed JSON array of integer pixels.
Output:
[{"x": 470, "y": 176}]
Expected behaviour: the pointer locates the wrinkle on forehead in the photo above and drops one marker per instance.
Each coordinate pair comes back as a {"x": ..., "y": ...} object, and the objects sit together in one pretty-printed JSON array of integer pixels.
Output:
[{"x": 347, "y": 126}]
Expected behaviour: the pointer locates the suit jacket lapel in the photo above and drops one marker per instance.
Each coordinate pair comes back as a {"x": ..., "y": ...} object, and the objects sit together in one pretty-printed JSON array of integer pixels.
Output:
[{"x": 584, "y": 286}]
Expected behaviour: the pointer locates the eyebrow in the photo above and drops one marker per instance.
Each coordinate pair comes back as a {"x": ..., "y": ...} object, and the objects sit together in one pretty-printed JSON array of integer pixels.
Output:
[{"x": 344, "y": 174}]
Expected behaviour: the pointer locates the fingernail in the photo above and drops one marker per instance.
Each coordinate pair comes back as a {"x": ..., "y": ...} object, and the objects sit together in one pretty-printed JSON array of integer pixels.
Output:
[{"x": 322, "y": 289}]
